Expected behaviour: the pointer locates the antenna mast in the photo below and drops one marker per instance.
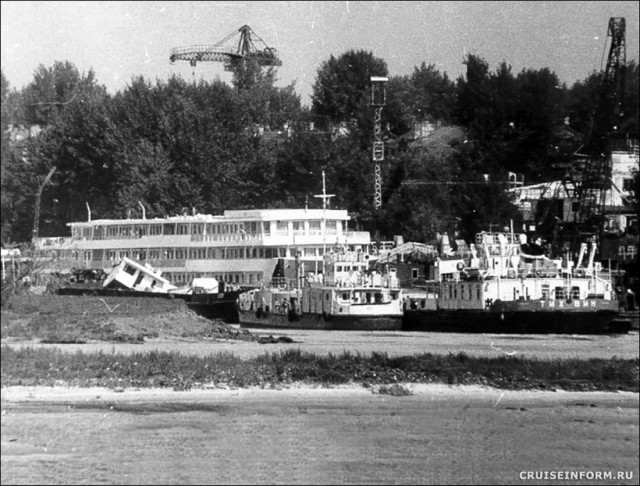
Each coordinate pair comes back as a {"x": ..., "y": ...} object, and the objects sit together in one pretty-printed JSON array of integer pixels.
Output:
[{"x": 325, "y": 197}]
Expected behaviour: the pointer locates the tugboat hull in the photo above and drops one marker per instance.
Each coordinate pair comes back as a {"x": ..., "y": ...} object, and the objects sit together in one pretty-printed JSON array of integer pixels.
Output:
[
  {"x": 589, "y": 317},
  {"x": 320, "y": 322}
]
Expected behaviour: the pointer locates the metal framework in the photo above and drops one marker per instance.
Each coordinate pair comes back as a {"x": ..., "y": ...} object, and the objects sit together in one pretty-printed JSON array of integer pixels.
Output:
[
  {"x": 231, "y": 57},
  {"x": 592, "y": 180},
  {"x": 378, "y": 100}
]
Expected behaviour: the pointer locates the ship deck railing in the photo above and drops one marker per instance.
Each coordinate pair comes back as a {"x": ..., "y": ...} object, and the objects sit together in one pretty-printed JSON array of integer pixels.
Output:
[
  {"x": 282, "y": 283},
  {"x": 486, "y": 238},
  {"x": 100, "y": 264},
  {"x": 43, "y": 243}
]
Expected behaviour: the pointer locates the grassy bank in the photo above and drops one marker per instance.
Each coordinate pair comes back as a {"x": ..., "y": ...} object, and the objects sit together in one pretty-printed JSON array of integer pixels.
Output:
[{"x": 29, "y": 367}]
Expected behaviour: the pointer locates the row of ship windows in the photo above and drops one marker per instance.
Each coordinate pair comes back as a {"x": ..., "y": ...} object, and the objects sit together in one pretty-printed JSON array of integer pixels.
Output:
[
  {"x": 466, "y": 292},
  {"x": 247, "y": 228},
  {"x": 182, "y": 253},
  {"x": 185, "y": 278}
]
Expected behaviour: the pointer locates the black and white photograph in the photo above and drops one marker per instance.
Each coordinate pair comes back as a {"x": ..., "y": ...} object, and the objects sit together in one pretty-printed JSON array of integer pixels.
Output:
[{"x": 320, "y": 242}]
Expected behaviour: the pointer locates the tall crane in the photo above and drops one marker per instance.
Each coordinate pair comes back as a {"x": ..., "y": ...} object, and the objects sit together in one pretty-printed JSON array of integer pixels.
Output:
[
  {"x": 592, "y": 179},
  {"x": 378, "y": 100},
  {"x": 232, "y": 57}
]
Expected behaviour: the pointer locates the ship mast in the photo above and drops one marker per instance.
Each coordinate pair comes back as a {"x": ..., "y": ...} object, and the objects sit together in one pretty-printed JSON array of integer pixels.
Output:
[{"x": 325, "y": 197}]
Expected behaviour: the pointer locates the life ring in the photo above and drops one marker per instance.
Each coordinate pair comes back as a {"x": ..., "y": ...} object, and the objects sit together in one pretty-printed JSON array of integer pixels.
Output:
[
  {"x": 460, "y": 266},
  {"x": 538, "y": 273},
  {"x": 511, "y": 274}
]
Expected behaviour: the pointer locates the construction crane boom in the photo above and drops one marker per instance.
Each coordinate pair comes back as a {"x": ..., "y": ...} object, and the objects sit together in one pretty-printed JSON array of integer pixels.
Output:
[{"x": 230, "y": 56}]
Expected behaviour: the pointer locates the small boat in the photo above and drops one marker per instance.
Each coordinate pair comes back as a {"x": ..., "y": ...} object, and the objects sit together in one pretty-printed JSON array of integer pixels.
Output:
[
  {"x": 505, "y": 285},
  {"x": 206, "y": 296},
  {"x": 131, "y": 275},
  {"x": 344, "y": 296}
]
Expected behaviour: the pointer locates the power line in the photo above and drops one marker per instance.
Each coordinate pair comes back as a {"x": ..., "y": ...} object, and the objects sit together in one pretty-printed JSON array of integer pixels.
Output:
[{"x": 418, "y": 183}]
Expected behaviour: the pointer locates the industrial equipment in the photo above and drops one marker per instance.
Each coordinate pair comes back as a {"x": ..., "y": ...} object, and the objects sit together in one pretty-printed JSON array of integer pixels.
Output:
[
  {"x": 232, "y": 57},
  {"x": 378, "y": 100},
  {"x": 591, "y": 177}
]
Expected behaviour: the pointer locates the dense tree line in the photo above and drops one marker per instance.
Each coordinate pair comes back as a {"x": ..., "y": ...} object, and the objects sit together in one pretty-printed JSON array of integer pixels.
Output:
[{"x": 175, "y": 146}]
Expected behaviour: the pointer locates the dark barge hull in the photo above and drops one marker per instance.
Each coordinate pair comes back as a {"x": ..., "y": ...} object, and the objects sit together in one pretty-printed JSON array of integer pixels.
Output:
[
  {"x": 212, "y": 306},
  {"x": 216, "y": 306},
  {"x": 319, "y": 322},
  {"x": 515, "y": 322}
]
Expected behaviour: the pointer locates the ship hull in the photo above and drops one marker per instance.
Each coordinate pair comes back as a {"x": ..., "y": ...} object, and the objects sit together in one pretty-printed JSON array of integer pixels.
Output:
[
  {"x": 221, "y": 305},
  {"x": 520, "y": 318},
  {"x": 319, "y": 322}
]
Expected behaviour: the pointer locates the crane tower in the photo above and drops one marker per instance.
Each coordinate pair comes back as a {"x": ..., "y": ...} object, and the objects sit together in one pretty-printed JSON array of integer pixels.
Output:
[
  {"x": 592, "y": 182},
  {"x": 232, "y": 57},
  {"x": 378, "y": 100}
]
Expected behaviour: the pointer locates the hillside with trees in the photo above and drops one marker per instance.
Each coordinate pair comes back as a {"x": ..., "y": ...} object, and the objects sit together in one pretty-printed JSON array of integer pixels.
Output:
[{"x": 176, "y": 146}]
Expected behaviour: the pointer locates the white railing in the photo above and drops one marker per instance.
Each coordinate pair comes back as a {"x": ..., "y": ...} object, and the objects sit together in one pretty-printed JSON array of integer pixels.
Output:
[
  {"x": 60, "y": 241},
  {"x": 235, "y": 237}
]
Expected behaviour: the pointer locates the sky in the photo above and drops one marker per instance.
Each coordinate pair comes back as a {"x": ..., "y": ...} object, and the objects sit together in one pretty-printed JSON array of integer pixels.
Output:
[{"x": 123, "y": 40}]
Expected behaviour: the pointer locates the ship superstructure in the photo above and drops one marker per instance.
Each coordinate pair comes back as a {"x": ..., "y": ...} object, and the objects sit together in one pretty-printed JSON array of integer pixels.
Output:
[{"x": 240, "y": 247}]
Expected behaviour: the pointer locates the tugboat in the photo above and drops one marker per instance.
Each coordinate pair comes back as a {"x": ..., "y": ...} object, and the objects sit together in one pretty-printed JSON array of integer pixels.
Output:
[
  {"x": 504, "y": 285},
  {"x": 344, "y": 296}
]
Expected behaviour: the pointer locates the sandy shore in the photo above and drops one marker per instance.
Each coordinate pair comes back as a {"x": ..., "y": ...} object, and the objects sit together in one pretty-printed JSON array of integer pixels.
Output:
[
  {"x": 440, "y": 434},
  {"x": 478, "y": 394}
]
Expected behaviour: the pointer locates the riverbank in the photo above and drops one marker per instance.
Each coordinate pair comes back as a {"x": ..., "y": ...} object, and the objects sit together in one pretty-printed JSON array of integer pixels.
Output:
[{"x": 439, "y": 434}]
